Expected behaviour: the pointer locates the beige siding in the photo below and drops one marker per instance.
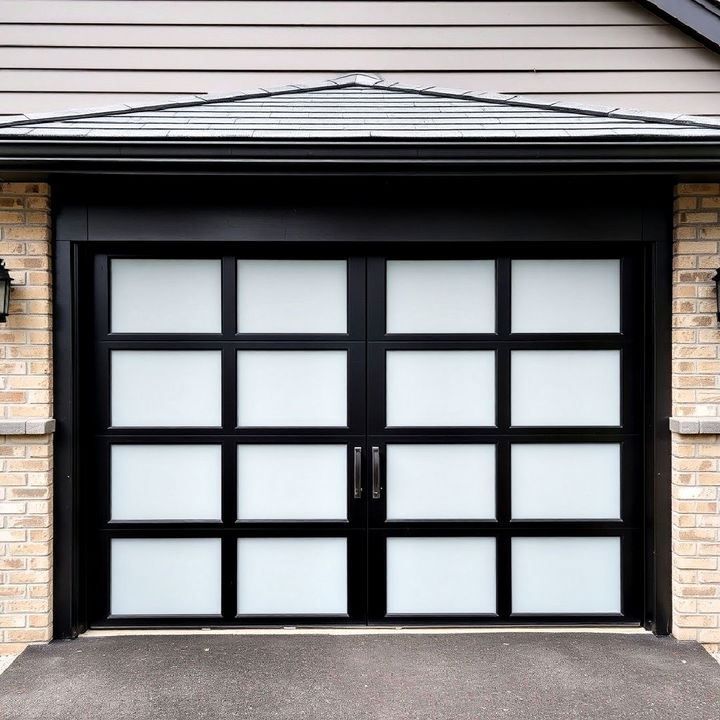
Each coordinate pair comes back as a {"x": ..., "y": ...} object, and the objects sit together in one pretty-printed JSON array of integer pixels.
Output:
[{"x": 71, "y": 53}]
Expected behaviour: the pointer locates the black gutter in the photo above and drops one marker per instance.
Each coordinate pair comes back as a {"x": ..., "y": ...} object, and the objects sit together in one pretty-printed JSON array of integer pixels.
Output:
[{"x": 122, "y": 157}]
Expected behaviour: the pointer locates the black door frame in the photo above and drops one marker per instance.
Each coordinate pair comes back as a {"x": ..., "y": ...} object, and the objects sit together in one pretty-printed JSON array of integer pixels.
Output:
[{"x": 78, "y": 223}]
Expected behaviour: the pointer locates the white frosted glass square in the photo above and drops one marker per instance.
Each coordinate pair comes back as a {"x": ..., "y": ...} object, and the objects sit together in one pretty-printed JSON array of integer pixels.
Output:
[
  {"x": 566, "y": 481},
  {"x": 440, "y": 296},
  {"x": 292, "y": 576},
  {"x": 292, "y": 482},
  {"x": 166, "y": 482},
  {"x": 166, "y": 388},
  {"x": 440, "y": 388},
  {"x": 168, "y": 576},
  {"x": 436, "y": 481},
  {"x": 566, "y": 575},
  {"x": 292, "y": 296},
  {"x": 565, "y": 387},
  {"x": 165, "y": 296},
  {"x": 292, "y": 388},
  {"x": 565, "y": 296},
  {"x": 439, "y": 576}
]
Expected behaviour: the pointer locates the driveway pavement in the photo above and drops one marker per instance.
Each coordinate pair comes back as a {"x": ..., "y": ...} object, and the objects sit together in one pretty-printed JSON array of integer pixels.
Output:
[{"x": 534, "y": 676}]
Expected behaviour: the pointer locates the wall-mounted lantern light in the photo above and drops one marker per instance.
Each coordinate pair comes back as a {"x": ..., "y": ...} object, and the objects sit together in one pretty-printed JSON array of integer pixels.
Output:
[{"x": 5, "y": 283}]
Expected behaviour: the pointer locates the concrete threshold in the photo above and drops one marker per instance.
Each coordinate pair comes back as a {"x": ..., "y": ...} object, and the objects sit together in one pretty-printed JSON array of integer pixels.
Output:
[{"x": 604, "y": 630}]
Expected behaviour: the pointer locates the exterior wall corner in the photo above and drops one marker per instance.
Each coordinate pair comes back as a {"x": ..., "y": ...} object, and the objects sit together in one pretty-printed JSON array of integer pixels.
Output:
[
  {"x": 26, "y": 448},
  {"x": 696, "y": 416}
]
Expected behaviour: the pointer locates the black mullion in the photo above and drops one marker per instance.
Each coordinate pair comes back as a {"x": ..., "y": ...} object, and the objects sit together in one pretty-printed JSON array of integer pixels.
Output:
[
  {"x": 376, "y": 298},
  {"x": 357, "y": 575},
  {"x": 229, "y": 482},
  {"x": 503, "y": 575},
  {"x": 503, "y": 295},
  {"x": 550, "y": 528},
  {"x": 503, "y": 389},
  {"x": 228, "y": 379},
  {"x": 377, "y": 575},
  {"x": 228, "y": 576},
  {"x": 526, "y": 341},
  {"x": 399, "y": 434},
  {"x": 503, "y": 479},
  {"x": 229, "y": 297}
]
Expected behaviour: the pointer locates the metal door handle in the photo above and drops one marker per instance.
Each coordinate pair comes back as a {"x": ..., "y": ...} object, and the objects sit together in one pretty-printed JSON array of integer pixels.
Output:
[
  {"x": 357, "y": 473},
  {"x": 376, "y": 489}
]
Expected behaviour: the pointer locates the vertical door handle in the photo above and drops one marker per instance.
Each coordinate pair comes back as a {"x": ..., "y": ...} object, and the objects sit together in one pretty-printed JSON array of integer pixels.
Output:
[
  {"x": 376, "y": 489},
  {"x": 357, "y": 473}
]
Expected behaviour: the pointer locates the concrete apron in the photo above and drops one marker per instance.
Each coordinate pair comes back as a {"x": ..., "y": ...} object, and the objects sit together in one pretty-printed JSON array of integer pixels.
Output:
[{"x": 363, "y": 674}]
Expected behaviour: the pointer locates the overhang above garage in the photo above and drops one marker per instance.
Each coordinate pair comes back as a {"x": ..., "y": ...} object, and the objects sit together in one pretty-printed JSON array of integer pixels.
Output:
[{"x": 357, "y": 118}]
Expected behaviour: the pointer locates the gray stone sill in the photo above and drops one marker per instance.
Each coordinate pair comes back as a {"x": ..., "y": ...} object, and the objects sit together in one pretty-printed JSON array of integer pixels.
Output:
[
  {"x": 695, "y": 425},
  {"x": 35, "y": 426}
]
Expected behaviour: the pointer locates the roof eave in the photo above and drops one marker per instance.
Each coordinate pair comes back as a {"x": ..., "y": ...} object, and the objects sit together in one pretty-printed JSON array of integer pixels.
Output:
[{"x": 191, "y": 157}]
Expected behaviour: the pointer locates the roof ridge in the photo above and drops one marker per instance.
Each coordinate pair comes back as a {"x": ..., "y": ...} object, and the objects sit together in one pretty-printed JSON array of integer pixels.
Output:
[{"x": 366, "y": 80}]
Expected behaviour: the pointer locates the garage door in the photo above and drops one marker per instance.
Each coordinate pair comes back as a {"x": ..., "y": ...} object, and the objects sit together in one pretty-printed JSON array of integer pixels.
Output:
[{"x": 324, "y": 437}]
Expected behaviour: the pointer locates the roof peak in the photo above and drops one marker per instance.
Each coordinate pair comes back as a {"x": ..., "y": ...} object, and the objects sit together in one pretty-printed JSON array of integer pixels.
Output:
[{"x": 369, "y": 82}]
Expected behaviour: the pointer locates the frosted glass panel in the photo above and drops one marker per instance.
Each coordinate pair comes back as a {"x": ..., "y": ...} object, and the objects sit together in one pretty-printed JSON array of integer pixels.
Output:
[
  {"x": 292, "y": 576},
  {"x": 165, "y": 482},
  {"x": 292, "y": 482},
  {"x": 565, "y": 296},
  {"x": 292, "y": 296},
  {"x": 566, "y": 482},
  {"x": 440, "y": 481},
  {"x": 440, "y": 575},
  {"x": 440, "y": 296},
  {"x": 165, "y": 296},
  {"x": 566, "y": 575},
  {"x": 440, "y": 387},
  {"x": 173, "y": 388},
  {"x": 173, "y": 576},
  {"x": 565, "y": 387},
  {"x": 295, "y": 388}
]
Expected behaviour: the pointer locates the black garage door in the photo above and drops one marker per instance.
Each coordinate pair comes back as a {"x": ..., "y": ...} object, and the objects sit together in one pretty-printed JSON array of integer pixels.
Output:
[{"x": 340, "y": 435}]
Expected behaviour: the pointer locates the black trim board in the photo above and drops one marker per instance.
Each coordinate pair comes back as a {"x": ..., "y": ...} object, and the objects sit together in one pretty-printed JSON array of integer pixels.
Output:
[{"x": 698, "y": 18}]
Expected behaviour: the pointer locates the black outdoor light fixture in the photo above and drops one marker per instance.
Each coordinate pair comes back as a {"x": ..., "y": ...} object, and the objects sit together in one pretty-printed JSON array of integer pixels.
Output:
[
  {"x": 5, "y": 283},
  {"x": 717, "y": 291}
]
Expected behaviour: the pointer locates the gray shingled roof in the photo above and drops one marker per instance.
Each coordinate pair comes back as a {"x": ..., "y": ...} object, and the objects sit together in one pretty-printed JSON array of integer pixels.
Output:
[{"x": 362, "y": 107}]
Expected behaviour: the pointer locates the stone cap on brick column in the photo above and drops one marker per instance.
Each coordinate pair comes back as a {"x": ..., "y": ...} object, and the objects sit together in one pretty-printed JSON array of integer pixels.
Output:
[
  {"x": 35, "y": 426},
  {"x": 695, "y": 425}
]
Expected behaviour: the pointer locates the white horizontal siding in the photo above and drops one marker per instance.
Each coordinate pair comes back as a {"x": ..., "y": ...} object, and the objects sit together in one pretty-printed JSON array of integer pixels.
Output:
[
  {"x": 80, "y": 37},
  {"x": 56, "y": 54},
  {"x": 326, "y": 12}
]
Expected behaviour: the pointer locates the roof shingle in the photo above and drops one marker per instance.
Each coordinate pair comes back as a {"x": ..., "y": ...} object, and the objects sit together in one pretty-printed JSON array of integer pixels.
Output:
[{"x": 358, "y": 107}]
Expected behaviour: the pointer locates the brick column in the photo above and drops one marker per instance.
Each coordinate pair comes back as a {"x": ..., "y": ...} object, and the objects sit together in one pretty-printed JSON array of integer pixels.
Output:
[
  {"x": 25, "y": 425},
  {"x": 696, "y": 416}
]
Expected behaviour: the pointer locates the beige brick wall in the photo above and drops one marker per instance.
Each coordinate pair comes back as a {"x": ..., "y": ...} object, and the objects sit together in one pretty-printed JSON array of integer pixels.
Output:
[
  {"x": 696, "y": 403},
  {"x": 25, "y": 398}
]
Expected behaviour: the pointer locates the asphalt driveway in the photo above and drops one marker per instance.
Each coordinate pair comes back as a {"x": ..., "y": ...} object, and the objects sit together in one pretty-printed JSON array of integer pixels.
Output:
[{"x": 534, "y": 676}]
